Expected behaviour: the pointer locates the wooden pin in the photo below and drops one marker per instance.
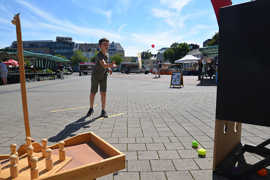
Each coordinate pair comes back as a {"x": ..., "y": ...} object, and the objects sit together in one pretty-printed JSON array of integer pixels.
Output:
[
  {"x": 29, "y": 155},
  {"x": 34, "y": 168},
  {"x": 14, "y": 172},
  {"x": 49, "y": 162},
  {"x": 29, "y": 141},
  {"x": 44, "y": 143},
  {"x": 13, "y": 151},
  {"x": 62, "y": 152}
]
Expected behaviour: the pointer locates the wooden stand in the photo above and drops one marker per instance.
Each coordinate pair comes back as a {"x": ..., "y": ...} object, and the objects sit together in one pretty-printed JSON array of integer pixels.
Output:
[
  {"x": 87, "y": 157},
  {"x": 227, "y": 136}
]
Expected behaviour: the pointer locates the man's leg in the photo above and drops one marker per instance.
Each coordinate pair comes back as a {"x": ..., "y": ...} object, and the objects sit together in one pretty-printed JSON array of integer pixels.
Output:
[
  {"x": 4, "y": 80},
  {"x": 103, "y": 89},
  {"x": 92, "y": 99},
  {"x": 94, "y": 87},
  {"x": 103, "y": 100}
]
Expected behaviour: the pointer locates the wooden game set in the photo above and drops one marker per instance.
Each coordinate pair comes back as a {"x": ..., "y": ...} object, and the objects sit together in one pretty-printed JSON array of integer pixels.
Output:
[{"x": 84, "y": 156}]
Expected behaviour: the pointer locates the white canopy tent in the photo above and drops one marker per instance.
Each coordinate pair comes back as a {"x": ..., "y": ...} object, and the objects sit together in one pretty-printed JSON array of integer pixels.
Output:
[{"x": 188, "y": 59}]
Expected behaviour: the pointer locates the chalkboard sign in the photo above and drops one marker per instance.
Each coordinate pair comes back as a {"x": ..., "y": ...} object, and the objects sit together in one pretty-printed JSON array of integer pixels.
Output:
[{"x": 176, "y": 79}]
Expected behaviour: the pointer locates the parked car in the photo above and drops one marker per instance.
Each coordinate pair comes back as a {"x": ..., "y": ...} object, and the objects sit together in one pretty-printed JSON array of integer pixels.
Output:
[{"x": 85, "y": 68}]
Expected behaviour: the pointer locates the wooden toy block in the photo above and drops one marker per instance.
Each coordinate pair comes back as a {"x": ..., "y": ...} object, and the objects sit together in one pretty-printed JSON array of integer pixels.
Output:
[
  {"x": 49, "y": 162},
  {"x": 28, "y": 141},
  {"x": 44, "y": 144},
  {"x": 62, "y": 152},
  {"x": 34, "y": 168},
  {"x": 29, "y": 155},
  {"x": 13, "y": 151}
]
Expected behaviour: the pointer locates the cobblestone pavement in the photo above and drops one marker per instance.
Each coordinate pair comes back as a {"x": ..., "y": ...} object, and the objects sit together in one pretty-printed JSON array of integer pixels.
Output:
[{"x": 151, "y": 123}]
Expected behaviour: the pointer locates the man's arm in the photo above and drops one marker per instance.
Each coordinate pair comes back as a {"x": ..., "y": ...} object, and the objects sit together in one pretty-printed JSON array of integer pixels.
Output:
[{"x": 106, "y": 65}]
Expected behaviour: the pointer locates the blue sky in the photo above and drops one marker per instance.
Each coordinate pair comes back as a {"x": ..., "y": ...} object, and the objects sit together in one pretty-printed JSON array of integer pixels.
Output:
[{"x": 136, "y": 24}]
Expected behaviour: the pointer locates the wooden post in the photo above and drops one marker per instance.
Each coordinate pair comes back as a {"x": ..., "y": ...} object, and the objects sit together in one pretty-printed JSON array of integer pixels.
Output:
[
  {"x": 17, "y": 23},
  {"x": 227, "y": 136}
]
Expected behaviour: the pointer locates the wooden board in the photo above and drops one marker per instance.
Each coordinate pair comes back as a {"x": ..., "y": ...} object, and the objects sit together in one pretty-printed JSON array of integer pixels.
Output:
[
  {"x": 25, "y": 172},
  {"x": 227, "y": 136},
  {"x": 82, "y": 154}
]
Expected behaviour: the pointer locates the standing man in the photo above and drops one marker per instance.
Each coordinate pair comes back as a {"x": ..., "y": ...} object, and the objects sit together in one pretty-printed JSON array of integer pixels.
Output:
[
  {"x": 99, "y": 76},
  {"x": 4, "y": 72}
]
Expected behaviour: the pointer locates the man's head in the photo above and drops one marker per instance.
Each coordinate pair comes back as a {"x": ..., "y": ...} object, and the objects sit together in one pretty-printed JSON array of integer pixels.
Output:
[{"x": 103, "y": 44}]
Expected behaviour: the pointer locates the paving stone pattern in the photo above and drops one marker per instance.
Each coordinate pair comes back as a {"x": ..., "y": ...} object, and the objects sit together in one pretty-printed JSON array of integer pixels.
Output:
[{"x": 155, "y": 130}]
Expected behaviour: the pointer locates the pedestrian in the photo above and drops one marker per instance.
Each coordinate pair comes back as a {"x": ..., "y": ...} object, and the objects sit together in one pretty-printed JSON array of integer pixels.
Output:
[
  {"x": 99, "y": 76},
  {"x": 4, "y": 72}
]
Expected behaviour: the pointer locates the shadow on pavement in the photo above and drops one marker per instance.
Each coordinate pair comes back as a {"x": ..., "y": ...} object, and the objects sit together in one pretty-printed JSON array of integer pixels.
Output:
[
  {"x": 207, "y": 82},
  {"x": 72, "y": 128}
]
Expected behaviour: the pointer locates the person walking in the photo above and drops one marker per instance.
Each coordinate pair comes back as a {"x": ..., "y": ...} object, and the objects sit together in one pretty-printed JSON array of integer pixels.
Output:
[
  {"x": 99, "y": 76},
  {"x": 4, "y": 72}
]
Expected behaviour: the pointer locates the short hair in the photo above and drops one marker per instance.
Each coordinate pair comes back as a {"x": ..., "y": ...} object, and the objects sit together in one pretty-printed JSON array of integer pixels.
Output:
[{"x": 103, "y": 40}]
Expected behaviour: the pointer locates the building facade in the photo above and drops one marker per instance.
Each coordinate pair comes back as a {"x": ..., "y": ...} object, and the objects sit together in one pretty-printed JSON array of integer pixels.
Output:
[
  {"x": 65, "y": 46},
  {"x": 116, "y": 48},
  {"x": 62, "y": 46},
  {"x": 89, "y": 49}
]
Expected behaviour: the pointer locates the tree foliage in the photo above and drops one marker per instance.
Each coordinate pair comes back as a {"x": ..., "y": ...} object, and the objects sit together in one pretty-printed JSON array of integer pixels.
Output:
[
  {"x": 169, "y": 55},
  {"x": 59, "y": 55},
  {"x": 78, "y": 57},
  {"x": 193, "y": 46},
  {"x": 94, "y": 57},
  {"x": 146, "y": 55},
  {"x": 176, "y": 51},
  {"x": 214, "y": 40},
  {"x": 117, "y": 58}
]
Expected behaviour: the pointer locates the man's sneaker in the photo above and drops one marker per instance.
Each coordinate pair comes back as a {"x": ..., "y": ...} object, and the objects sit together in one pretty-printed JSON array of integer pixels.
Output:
[
  {"x": 90, "y": 112},
  {"x": 104, "y": 114}
]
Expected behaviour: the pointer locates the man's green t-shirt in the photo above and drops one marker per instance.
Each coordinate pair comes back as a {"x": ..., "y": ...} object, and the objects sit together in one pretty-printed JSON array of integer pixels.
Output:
[{"x": 98, "y": 71}]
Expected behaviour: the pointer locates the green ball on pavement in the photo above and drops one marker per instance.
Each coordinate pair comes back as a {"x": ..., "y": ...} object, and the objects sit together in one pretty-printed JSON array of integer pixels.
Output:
[
  {"x": 201, "y": 152},
  {"x": 195, "y": 144}
]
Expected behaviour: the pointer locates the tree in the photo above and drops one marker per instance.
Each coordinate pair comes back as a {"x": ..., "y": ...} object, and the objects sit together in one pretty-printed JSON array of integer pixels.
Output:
[
  {"x": 77, "y": 58},
  {"x": 59, "y": 55},
  {"x": 169, "y": 55},
  {"x": 193, "y": 46},
  {"x": 117, "y": 58},
  {"x": 214, "y": 40},
  {"x": 146, "y": 54},
  {"x": 176, "y": 51},
  {"x": 94, "y": 57},
  {"x": 180, "y": 50}
]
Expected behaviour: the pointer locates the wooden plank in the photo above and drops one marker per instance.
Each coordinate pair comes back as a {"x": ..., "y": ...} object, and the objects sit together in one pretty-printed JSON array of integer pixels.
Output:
[
  {"x": 93, "y": 170},
  {"x": 78, "y": 139},
  {"x": 227, "y": 136},
  {"x": 106, "y": 147}
]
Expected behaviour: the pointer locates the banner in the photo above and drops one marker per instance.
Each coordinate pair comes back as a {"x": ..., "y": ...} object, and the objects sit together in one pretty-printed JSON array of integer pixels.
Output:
[{"x": 219, "y": 4}]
